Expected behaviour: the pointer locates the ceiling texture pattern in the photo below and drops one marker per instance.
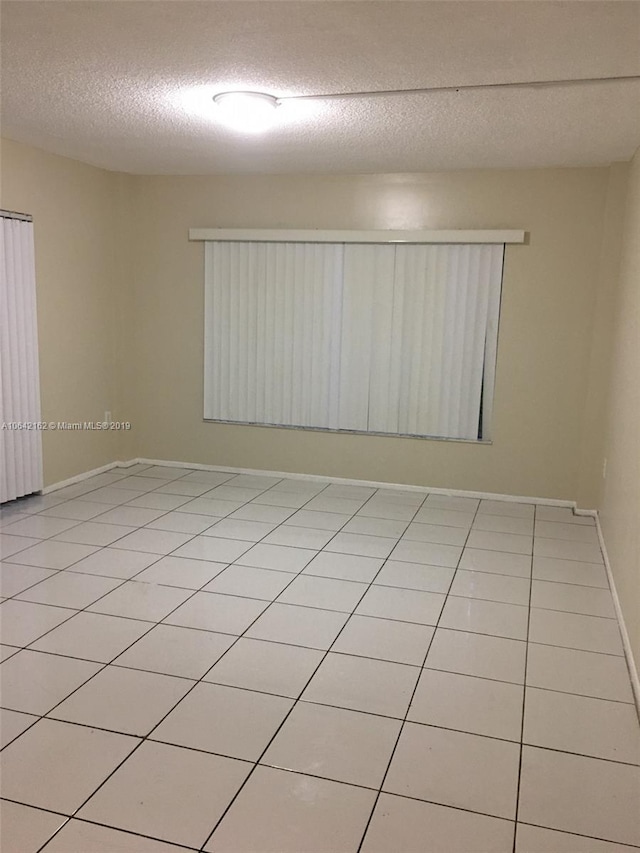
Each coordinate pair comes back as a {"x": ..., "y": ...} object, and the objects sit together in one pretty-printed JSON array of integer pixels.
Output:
[{"x": 127, "y": 84}]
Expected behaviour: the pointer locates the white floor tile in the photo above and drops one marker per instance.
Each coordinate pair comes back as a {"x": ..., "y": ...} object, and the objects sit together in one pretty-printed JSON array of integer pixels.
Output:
[
  {"x": 169, "y": 793},
  {"x": 13, "y": 724},
  {"x": 170, "y": 650},
  {"x": 22, "y": 622},
  {"x": 586, "y": 796},
  {"x": 439, "y": 534},
  {"x": 375, "y": 526},
  {"x": 24, "y": 829},
  {"x": 153, "y": 500},
  {"x": 361, "y": 684},
  {"x": 14, "y": 578},
  {"x": 265, "y": 584},
  {"x": 491, "y": 587},
  {"x": 65, "y": 589},
  {"x": 516, "y": 510},
  {"x": 585, "y": 673},
  {"x": 277, "y": 557},
  {"x": 428, "y": 514},
  {"x": 245, "y": 721},
  {"x": 93, "y": 533},
  {"x": 574, "y": 631},
  {"x": 402, "y": 824},
  {"x": 388, "y": 510},
  {"x": 415, "y": 576},
  {"x": 348, "y": 567},
  {"x": 262, "y": 616},
  {"x": 572, "y": 598},
  {"x": 318, "y": 520},
  {"x": 535, "y": 839},
  {"x": 334, "y": 743},
  {"x": 115, "y": 563},
  {"x": 278, "y": 812},
  {"x": 385, "y": 639},
  {"x": 326, "y": 593},
  {"x": 496, "y": 562},
  {"x": 468, "y": 704},
  {"x": 427, "y": 553},
  {"x": 299, "y": 537},
  {"x": 512, "y": 543},
  {"x": 38, "y": 526},
  {"x": 266, "y": 667},
  {"x": 213, "y": 549},
  {"x": 485, "y": 617},
  {"x": 236, "y": 528},
  {"x": 570, "y": 571},
  {"x": 57, "y": 765},
  {"x": 227, "y": 614},
  {"x": 78, "y": 510},
  {"x": 123, "y": 700},
  {"x": 53, "y": 555},
  {"x": 92, "y": 636},
  {"x": 92, "y": 838},
  {"x": 182, "y": 522},
  {"x": 406, "y": 605},
  {"x": 504, "y": 524},
  {"x": 563, "y": 549},
  {"x": 181, "y": 572},
  {"x": 571, "y": 532},
  {"x": 153, "y": 541},
  {"x": 476, "y": 654},
  {"x": 361, "y": 545},
  {"x": 463, "y": 770},
  {"x": 145, "y": 601},
  {"x": 298, "y": 626},
  {"x": 593, "y": 727},
  {"x": 130, "y": 516}
]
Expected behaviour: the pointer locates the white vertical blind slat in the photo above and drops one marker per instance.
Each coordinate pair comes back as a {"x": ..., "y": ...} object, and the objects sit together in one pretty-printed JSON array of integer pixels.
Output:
[
  {"x": 368, "y": 337},
  {"x": 20, "y": 450}
]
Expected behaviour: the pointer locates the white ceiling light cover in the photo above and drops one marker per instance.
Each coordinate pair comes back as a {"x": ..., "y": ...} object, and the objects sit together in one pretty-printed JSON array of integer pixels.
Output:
[{"x": 247, "y": 112}]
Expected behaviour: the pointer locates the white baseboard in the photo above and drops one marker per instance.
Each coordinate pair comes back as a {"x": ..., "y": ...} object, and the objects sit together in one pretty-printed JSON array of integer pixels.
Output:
[
  {"x": 626, "y": 642},
  {"x": 86, "y": 475},
  {"x": 344, "y": 481}
]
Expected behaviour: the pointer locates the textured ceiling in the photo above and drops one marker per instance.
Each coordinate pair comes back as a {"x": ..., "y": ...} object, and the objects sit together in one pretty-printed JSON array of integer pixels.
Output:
[{"x": 126, "y": 84}]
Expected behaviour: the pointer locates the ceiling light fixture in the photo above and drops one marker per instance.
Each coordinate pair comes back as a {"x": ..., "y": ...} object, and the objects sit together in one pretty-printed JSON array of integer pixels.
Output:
[
  {"x": 255, "y": 112},
  {"x": 250, "y": 112}
]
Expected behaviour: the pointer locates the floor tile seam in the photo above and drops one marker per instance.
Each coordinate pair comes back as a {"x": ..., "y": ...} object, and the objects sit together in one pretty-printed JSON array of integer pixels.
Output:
[
  {"x": 131, "y": 832},
  {"x": 524, "y": 697},
  {"x": 143, "y": 739},
  {"x": 102, "y": 666},
  {"x": 575, "y": 613},
  {"x": 578, "y": 834},
  {"x": 413, "y": 693},
  {"x": 295, "y": 703}
]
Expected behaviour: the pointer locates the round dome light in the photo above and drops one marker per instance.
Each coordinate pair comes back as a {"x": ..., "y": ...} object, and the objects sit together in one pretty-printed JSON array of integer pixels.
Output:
[{"x": 250, "y": 112}]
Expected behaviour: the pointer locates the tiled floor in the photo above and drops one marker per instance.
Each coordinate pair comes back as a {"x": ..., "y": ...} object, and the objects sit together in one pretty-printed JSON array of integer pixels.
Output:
[{"x": 233, "y": 663}]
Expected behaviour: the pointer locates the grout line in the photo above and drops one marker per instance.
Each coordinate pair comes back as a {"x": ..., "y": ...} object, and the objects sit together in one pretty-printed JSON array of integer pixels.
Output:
[
  {"x": 351, "y": 517},
  {"x": 404, "y": 721},
  {"x": 275, "y": 734},
  {"x": 524, "y": 698}
]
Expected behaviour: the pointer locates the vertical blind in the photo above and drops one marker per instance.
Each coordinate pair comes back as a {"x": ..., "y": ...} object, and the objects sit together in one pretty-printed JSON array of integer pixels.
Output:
[
  {"x": 389, "y": 338},
  {"x": 20, "y": 449}
]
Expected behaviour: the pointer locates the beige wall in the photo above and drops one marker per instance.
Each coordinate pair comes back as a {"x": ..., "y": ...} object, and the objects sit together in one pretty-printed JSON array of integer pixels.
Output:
[
  {"x": 620, "y": 501},
  {"x": 549, "y": 296},
  {"x": 120, "y": 293},
  {"x": 73, "y": 206}
]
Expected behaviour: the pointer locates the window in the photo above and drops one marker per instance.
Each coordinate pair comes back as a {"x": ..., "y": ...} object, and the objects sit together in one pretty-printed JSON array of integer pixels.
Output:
[{"x": 394, "y": 338}]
